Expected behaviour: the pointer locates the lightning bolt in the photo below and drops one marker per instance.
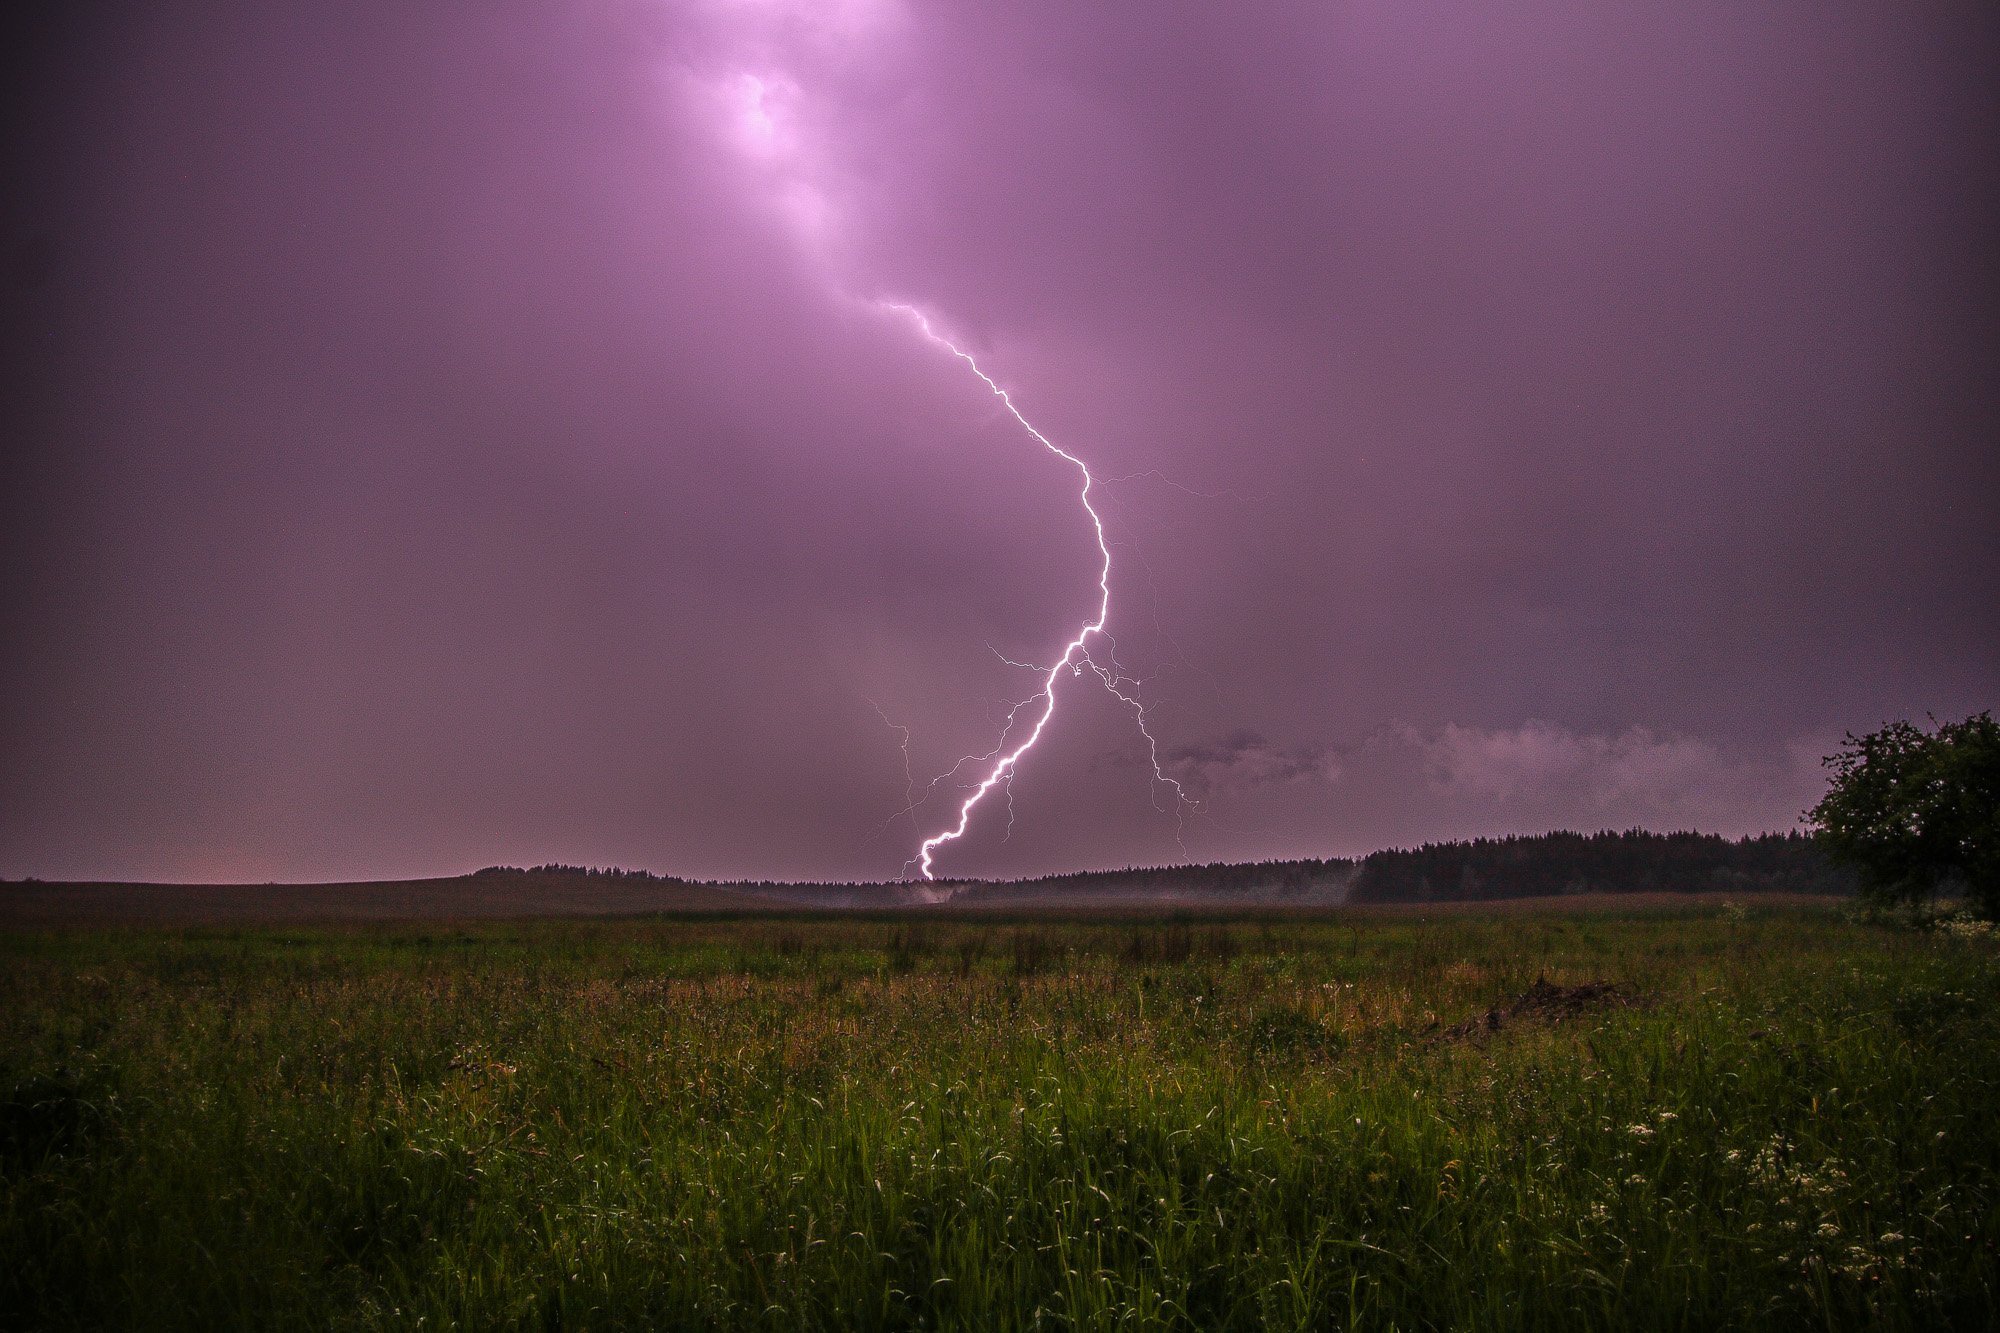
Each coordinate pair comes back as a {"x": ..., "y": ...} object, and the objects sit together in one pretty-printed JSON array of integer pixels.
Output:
[
  {"x": 1075, "y": 659},
  {"x": 763, "y": 107}
]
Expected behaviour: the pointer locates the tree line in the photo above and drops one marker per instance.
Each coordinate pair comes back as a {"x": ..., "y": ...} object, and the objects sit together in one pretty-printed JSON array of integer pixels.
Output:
[
  {"x": 1632, "y": 861},
  {"x": 592, "y": 872}
]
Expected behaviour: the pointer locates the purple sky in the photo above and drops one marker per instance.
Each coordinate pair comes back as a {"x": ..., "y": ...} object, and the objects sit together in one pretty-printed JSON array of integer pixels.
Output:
[{"x": 471, "y": 437}]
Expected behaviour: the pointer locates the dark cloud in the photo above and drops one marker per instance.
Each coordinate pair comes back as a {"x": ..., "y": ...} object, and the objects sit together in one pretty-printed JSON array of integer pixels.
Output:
[
  {"x": 464, "y": 434},
  {"x": 1245, "y": 760}
]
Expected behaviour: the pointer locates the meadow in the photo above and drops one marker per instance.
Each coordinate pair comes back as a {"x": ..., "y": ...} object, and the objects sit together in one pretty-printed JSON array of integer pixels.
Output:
[{"x": 1771, "y": 1117}]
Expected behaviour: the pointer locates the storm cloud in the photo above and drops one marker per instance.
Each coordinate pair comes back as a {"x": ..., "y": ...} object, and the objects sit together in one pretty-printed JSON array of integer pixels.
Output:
[{"x": 461, "y": 434}]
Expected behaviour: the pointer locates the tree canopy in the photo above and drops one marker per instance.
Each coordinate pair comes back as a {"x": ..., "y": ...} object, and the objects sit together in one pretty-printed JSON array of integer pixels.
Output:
[{"x": 1916, "y": 812}]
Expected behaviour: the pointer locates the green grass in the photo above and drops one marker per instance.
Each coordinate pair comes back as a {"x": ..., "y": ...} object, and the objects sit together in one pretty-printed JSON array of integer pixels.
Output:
[{"x": 964, "y": 1124}]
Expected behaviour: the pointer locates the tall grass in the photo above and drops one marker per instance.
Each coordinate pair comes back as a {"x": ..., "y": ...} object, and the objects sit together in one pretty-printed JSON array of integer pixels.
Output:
[{"x": 963, "y": 1124}]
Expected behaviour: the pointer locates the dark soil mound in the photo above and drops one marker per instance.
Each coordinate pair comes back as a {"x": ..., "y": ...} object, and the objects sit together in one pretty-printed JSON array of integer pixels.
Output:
[{"x": 1547, "y": 1002}]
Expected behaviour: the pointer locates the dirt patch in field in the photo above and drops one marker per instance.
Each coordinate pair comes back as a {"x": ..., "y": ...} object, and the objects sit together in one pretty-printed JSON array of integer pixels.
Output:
[{"x": 1546, "y": 1002}]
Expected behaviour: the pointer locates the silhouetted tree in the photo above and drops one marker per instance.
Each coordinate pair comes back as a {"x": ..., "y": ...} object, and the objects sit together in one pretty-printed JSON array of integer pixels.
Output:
[{"x": 1917, "y": 812}]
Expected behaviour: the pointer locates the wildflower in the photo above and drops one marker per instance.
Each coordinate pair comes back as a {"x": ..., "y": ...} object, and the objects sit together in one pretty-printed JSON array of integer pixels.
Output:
[
  {"x": 1827, "y": 1231},
  {"x": 1639, "y": 1131}
]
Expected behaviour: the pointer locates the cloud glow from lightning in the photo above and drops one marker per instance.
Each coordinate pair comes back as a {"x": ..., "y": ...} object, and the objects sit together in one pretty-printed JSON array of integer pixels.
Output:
[
  {"x": 1076, "y": 656},
  {"x": 765, "y": 108}
]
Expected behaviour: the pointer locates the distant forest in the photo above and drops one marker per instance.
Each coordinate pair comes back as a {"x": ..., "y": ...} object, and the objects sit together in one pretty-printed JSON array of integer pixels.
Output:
[
  {"x": 1635, "y": 861},
  {"x": 1537, "y": 866},
  {"x": 586, "y": 872}
]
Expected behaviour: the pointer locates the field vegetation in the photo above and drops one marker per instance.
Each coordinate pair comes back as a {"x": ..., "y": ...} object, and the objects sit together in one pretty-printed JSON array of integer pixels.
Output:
[{"x": 1712, "y": 1116}]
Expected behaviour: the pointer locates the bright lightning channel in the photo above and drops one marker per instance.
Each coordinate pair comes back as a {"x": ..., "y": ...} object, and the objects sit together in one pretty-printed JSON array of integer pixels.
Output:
[{"x": 1075, "y": 659}]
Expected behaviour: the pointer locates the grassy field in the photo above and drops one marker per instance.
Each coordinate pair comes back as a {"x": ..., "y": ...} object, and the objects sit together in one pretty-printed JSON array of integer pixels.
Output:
[{"x": 1776, "y": 1117}]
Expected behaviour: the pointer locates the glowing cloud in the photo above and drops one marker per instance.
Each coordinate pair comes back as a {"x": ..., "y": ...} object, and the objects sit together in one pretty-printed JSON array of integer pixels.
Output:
[{"x": 761, "y": 114}]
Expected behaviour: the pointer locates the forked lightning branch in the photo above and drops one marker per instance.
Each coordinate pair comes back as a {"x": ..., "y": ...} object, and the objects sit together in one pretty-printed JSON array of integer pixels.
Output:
[{"x": 1004, "y": 759}]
